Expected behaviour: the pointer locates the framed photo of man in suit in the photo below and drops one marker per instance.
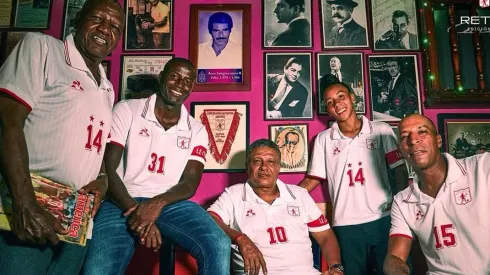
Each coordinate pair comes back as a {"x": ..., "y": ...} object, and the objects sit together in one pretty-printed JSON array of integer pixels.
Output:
[
  {"x": 394, "y": 86},
  {"x": 347, "y": 68},
  {"x": 288, "y": 89},
  {"x": 286, "y": 24},
  {"x": 395, "y": 25},
  {"x": 344, "y": 24},
  {"x": 292, "y": 141}
]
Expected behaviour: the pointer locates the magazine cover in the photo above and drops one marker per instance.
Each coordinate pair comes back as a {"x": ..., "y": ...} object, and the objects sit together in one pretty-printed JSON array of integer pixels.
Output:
[{"x": 71, "y": 208}]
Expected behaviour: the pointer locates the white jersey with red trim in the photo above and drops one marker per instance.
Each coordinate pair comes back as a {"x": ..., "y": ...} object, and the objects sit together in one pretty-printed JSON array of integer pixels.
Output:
[
  {"x": 452, "y": 228},
  {"x": 154, "y": 158},
  {"x": 71, "y": 114},
  {"x": 280, "y": 230},
  {"x": 356, "y": 171}
]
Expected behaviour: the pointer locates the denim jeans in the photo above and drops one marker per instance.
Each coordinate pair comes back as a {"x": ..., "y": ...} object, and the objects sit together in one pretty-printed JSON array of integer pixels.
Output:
[
  {"x": 185, "y": 223},
  {"x": 17, "y": 257}
]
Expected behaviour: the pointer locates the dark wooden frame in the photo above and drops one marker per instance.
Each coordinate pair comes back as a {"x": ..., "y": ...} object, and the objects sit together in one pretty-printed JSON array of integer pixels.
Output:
[
  {"x": 305, "y": 138},
  {"x": 246, "y": 42},
  {"x": 13, "y": 16},
  {"x": 109, "y": 63}
]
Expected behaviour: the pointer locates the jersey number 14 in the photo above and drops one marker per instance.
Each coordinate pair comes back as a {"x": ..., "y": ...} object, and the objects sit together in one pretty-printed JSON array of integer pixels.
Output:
[{"x": 358, "y": 178}]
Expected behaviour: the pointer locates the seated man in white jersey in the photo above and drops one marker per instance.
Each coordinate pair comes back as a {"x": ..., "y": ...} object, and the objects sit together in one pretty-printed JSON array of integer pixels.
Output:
[
  {"x": 270, "y": 221},
  {"x": 154, "y": 163},
  {"x": 353, "y": 155},
  {"x": 55, "y": 115},
  {"x": 445, "y": 208}
]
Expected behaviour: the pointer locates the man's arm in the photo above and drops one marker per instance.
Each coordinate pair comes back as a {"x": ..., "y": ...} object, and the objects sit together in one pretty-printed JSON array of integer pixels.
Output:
[
  {"x": 309, "y": 183},
  {"x": 401, "y": 177},
  {"x": 398, "y": 251},
  {"x": 329, "y": 246}
]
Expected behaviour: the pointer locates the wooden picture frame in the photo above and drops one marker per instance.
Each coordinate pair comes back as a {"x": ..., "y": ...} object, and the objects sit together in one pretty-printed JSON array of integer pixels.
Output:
[
  {"x": 230, "y": 69},
  {"x": 228, "y": 127},
  {"x": 292, "y": 140}
]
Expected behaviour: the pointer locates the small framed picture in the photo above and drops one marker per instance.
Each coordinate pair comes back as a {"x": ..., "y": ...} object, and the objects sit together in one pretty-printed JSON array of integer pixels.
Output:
[
  {"x": 11, "y": 40},
  {"x": 227, "y": 124},
  {"x": 293, "y": 143},
  {"x": 464, "y": 135},
  {"x": 286, "y": 25},
  {"x": 394, "y": 127},
  {"x": 395, "y": 25},
  {"x": 349, "y": 69},
  {"x": 344, "y": 24},
  {"x": 32, "y": 14},
  {"x": 72, "y": 7},
  {"x": 107, "y": 68},
  {"x": 288, "y": 89},
  {"x": 394, "y": 86},
  {"x": 149, "y": 25},
  {"x": 219, "y": 46},
  {"x": 139, "y": 75}
]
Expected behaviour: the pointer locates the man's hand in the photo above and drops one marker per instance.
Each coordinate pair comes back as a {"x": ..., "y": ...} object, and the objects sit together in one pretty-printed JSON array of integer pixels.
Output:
[
  {"x": 253, "y": 259},
  {"x": 36, "y": 225},
  {"x": 143, "y": 217},
  {"x": 153, "y": 240},
  {"x": 98, "y": 188}
]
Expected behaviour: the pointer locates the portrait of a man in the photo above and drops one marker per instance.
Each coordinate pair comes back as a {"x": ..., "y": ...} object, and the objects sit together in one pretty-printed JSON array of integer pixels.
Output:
[
  {"x": 344, "y": 24},
  {"x": 287, "y": 23},
  {"x": 292, "y": 142},
  {"x": 288, "y": 86},
  {"x": 466, "y": 139},
  {"x": 398, "y": 37}
]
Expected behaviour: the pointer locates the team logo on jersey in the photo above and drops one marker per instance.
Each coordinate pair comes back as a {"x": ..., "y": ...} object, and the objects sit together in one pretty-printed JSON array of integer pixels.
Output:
[
  {"x": 462, "y": 196},
  {"x": 293, "y": 210},
  {"x": 183, "y": 142},
  {"x": 250, "y": 213},
  {"x": 77, "y": 86},
  {"x": 419, "y": 214},
  {"x": 336, "y": 151},
  {"x": 484, "y": 3},
  {"x": 372, "y": 144},
  {"x": 144, "y": 132}
]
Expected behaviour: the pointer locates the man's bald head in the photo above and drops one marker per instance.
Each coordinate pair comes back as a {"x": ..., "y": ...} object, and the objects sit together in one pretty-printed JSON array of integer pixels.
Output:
[
  {"x": 419, "y": 118},
  {"x": 90, "y": 4}
]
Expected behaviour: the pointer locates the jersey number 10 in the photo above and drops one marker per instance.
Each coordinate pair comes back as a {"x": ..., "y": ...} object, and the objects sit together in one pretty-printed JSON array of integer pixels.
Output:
[{"x": 277, "y": 234}]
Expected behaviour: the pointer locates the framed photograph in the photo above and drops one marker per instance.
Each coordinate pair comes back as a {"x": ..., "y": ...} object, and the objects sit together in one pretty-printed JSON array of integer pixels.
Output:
[
  {"x": 72, "y": 7},
  {"x": 394, "y": 86},
  {"x": 288, "y": 89},
  {"x": 149, "y": 25},
  {"x": 285, "y": 25},
  {"x": 139, "y": 75},
  {"x": 464, "y": 135},
  {"x": 344, "y": 24},
  {"x": 107, "y": 68},
  {"x": 394, "y": 127},
  {"x": 293, "y": 143},
  {"x": 349, "y": 69},
  {"x": 227, "y": 124},
  {"x": 219, "y": 46},
  {"x": 33, "y": 14},
  {"x": 6, "y": 7},
  {"x": 395, "y": 25}
]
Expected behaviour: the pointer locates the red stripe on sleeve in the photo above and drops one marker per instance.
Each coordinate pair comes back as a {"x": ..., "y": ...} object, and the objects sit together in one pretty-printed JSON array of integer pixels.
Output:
[
  {"x": 321, "y": 221},
  {"x": 16, "y": 97},
  {"x": 215, "y": 214},
  {"x": 118, "y": 144},
  {"x": 394, "y": 156},
  {"x": 200, "y": 151},
  {"x": 401, "y": 235}
]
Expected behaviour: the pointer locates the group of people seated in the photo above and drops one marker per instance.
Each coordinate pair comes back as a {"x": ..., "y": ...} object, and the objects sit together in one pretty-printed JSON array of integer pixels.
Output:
[{"x": 142, "y": 159}]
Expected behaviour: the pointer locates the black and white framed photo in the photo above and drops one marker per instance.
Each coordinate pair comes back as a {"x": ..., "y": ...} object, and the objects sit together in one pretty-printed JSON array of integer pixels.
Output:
[
  {"x": 394, "y": 127},
  {"x": 286, "y": 24},
  {"x": 395, "y": 25},
  {"x": 292, "y": 140},
  {"x": 349, "y": 69},
  {"x": 149, "y": 25},
  {"x": 344, "y": 24},
  {"x": 72, "y": 7},
  {"x": 394, "y": 86},
  {"x": 288, "y": 89},
  {"x": 106, "y": 64},
  {"x": 139, "y": 75}
]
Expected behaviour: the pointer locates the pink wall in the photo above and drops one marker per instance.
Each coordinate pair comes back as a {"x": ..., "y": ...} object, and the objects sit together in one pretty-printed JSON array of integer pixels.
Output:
[{"x": 214, "y": 183}]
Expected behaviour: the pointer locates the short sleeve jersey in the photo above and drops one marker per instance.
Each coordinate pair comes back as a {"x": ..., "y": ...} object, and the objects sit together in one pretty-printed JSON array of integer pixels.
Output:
[
  {"x": 358, "y": 181},
  {"x": 280, "y": 230},
  {"x": 71, "y": 114},
  {"x": 452, "y": 228},
  {"x": 154, "y": 158}
]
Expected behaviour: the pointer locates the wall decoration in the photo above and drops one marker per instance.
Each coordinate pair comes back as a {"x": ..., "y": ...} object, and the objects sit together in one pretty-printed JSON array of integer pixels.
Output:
[
  {"x": 464, "y": 135},
  {"x": 293, "y": 144},
  {"x": 349, "y": 69},
  {"x": 149, "y": 25},
  {"x": 107, "y": 68},
  {"x": 139, "y": 74},
  {"x": 6, "y": 7},
  {"x": 219, "y": 46},
  {"x": 394, "y": 86},
  {"x": 11, "y": 40},
  {"x": 33, "y": 14},
  {"x": 394, "y": 127},
  {"x": 72, "y": 7},
  {"x": 394, "y": 25},
  {"x": 344, "y": 24},
  {"x": 288, "y": 89},
  {"x": 227, "y": 124},
  {"x": 286, "y": 26}
]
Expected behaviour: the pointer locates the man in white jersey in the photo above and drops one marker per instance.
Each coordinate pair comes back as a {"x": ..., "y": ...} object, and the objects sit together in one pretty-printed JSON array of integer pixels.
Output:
[
  {"x": 354, "y": 156},
  {"x": 270, "y": 221},
  {"x": 446, "y": 207},
  {"x": 154, "y": 163},
  {"x": 55, "y": 116}
]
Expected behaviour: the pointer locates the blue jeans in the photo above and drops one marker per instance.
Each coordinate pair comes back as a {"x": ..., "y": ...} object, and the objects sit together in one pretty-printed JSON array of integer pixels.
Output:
[{"x": 185, "y": 223}]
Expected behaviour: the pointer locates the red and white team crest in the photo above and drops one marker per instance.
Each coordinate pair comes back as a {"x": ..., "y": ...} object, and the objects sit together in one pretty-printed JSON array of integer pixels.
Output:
[
  {"x": 293, "y": 210},
  {"x": 419, "y": 214},
  {"x": 462, "y": 196},
  {"x": 183, "y": 142},
  {"x": 484, "y": 3},
  {"x": 372, "y": 144}
]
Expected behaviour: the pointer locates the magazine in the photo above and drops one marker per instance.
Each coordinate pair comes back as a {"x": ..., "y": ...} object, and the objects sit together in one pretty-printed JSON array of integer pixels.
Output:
[{"x": 71, "y": 208}]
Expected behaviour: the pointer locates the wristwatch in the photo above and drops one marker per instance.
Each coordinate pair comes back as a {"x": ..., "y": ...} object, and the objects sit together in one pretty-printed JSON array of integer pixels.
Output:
[{"x": 337, "y": 267}]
